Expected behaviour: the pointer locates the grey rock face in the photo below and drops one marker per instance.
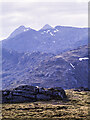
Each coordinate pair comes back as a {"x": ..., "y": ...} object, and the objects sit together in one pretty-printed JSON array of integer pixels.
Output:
[{"x": 29, "y": 93}]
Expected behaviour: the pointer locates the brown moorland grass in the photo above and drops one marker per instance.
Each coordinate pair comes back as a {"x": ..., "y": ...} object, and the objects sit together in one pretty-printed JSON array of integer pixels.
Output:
[{"x": 75, "y": 108}]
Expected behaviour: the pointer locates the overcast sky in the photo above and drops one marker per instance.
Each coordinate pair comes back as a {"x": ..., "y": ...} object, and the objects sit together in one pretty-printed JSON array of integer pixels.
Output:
[{"x": 36, "y": 14}]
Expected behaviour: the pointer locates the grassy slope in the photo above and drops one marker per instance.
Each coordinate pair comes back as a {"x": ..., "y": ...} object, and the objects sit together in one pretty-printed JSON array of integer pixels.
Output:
[{"x": 76, "y": 108}]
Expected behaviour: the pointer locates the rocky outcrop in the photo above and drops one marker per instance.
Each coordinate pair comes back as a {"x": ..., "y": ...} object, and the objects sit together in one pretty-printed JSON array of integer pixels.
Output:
[{"x": 30, "y": 93}]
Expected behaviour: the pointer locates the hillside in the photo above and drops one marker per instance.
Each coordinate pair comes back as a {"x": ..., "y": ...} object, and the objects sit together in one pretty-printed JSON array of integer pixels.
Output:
[{"x": 66, "y": 70}]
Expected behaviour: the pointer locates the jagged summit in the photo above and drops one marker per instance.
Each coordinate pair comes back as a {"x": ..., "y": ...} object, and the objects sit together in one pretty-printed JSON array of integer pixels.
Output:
[
  {"x": 48, "y": 39},
  {"x": 19, "y": 30},
  {"x": 21, "y": 27},
  {"x": 47, "y": 26}
]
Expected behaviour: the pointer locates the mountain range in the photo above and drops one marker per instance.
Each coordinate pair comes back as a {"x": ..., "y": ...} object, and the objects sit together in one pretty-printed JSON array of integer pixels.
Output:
[
  {"x": 49, "y": 57},
  {"x": 47, "y": 39}
]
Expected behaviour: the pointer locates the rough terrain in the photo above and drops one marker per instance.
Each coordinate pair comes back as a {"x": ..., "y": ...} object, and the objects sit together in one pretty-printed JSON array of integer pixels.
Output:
[{"x": 75, "y": 108}]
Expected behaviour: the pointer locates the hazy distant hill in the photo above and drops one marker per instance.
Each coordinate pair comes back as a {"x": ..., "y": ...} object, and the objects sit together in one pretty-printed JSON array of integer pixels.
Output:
[
  {"x": 47, "y": 39},
  {"x": 67, "y": 70}
]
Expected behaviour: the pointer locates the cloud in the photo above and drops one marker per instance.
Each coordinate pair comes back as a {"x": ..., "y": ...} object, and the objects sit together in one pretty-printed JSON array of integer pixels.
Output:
[
  {"x": 35, "y": 15},
  {"x": 9, "y": 8}
]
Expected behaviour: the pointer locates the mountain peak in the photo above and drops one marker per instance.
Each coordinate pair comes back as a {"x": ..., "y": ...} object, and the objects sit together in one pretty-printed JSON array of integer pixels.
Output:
[
  {"x": 19, "y": 30},
  {"x": 47, "y": 26},
  {"x": 21, "y": 27}
]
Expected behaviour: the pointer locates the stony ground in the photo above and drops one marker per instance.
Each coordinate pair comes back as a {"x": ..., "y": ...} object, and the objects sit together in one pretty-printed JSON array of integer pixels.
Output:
[{"x": 75, "y": 108}]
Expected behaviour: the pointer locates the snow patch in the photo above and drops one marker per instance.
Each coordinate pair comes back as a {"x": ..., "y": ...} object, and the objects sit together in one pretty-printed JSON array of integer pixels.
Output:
[
  {"x": 58, "y": 56},
  {"x": 55, "y": 30},
  {"x": 85, "y": 58},
  {"x": 47, "y": 31},
  {"x": 26, "y": 30},
  {"x": 72, "y": 66},
  {"x": 51, "y": 34}
]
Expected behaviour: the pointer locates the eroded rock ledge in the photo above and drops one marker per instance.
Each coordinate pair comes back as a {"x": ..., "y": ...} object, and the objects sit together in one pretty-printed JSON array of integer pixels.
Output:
[{"x": 28, "y": 93}]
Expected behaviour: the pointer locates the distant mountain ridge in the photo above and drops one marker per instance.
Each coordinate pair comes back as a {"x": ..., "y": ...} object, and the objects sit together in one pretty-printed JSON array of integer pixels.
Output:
[
  {"x": 46, "y": 27},
  {"x": 47, "y": 39}
]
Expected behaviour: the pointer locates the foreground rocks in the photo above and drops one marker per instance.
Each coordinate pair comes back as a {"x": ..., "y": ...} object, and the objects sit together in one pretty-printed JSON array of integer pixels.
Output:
[{"x": 30, "y": 93}]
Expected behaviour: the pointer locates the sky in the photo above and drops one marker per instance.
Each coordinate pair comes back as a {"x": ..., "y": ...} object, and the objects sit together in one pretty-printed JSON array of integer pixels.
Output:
[{"x": 36, "y": 13}]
